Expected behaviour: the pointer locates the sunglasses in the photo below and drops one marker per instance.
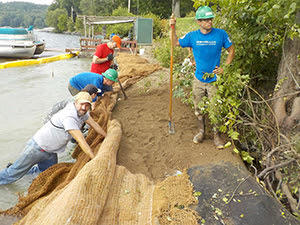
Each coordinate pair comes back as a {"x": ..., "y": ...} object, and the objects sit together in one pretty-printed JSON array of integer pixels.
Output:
[{"x": 206, "y": 20}]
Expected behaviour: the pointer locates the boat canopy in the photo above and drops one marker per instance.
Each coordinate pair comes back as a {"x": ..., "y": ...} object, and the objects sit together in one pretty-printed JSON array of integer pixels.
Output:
[{"x": 7, "y": 30}]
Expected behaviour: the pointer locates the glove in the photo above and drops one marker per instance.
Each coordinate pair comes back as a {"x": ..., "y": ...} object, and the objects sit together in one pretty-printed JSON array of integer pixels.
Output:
[
  {"x": 114, "y": 66},
  {"x": 110, "y": 57}
]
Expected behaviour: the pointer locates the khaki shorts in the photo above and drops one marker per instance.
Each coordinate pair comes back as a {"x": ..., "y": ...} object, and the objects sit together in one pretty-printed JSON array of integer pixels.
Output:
[
  {"x": 200, "y": 90},
  {"x": 73, "y": 90}
]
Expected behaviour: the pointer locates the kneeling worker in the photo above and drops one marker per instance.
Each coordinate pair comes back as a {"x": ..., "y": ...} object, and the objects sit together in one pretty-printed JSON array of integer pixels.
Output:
[
  {"x": 102, "y": 81},
  {"x": 53, "y": 137}
]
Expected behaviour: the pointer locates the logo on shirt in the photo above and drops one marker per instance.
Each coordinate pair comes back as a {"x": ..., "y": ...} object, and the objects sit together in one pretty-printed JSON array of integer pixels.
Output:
[{"x": 205, "y": 43}]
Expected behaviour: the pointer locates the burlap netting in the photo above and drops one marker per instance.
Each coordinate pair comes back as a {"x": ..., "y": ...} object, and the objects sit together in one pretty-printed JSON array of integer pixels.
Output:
[{"x": 98, "y": 191}]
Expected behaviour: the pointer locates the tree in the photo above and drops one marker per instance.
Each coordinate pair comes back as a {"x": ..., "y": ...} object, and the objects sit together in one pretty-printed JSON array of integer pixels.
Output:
[
  {"x": 95, "y": 7},
  {"x": 176, "y": 8},
  {"x": 22, "y": 14},
  {"x": 287, "y": 103},
  {"x": 62, "y": 22},
  {"x": 52, "y": 19}
]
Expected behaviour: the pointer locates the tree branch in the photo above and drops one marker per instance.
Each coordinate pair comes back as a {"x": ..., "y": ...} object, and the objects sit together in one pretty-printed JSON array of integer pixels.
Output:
[{"x": 269, "y": 169}]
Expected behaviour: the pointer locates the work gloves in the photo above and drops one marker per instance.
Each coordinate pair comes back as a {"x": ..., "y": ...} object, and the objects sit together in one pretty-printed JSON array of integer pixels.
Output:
[
  {"x": 114, "y": 66},
  {"x": 110, "y": 57}
]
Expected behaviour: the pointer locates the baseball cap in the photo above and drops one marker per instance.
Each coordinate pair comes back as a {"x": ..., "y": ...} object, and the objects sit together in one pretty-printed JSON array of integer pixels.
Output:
[
  {"x": 91, "y": 89},
  {"x": 117, "y": 39},
  {"x": 83, "y": 97}
]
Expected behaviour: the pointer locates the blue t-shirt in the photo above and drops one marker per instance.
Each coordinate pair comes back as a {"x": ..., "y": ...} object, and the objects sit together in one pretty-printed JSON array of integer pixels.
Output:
[
  {"x": 207, "y": 50},
  {"x": 82, "y": 79}
]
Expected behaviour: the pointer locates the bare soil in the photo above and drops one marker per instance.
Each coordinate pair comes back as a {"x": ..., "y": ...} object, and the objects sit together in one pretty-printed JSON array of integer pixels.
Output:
[{"x": 146, "y": 146}]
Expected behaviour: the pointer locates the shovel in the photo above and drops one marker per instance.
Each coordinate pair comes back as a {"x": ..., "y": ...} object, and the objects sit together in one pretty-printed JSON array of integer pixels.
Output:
[{"x": 171, "y": 125}]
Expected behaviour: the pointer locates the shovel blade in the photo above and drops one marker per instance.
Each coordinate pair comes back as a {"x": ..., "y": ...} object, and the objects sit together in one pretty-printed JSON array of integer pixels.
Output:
[{"x": 171, "y": 128}]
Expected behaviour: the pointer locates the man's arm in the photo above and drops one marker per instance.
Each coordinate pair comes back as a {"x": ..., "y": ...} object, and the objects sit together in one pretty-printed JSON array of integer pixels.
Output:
[
  {"x": 78, "y": 136},
  {"x": 95, "y": 126},
  {"x": 230, "y": 56},
  {"x": 98, "y": 60},
  {"x": 231, "y": 52}
]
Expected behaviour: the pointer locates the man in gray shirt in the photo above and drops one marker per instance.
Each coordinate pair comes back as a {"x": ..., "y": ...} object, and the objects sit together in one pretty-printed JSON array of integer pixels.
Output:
[{"x": 53, "y": 137}]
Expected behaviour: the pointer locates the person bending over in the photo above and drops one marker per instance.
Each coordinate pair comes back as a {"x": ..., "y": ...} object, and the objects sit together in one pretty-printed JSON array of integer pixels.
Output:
[{"x": 53, "y": 137}]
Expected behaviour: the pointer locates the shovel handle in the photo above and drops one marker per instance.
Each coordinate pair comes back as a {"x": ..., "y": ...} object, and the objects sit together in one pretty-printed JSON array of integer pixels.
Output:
[
  {"x": 122, "y": 89},
  {"x": 171, "y": 69}
]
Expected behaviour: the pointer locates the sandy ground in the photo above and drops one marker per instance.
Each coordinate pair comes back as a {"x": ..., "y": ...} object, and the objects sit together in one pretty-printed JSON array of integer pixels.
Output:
[{"x": 146, "y": 145}]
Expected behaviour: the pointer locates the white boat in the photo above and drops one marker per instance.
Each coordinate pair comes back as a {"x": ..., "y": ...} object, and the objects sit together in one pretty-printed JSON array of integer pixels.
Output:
[
  {"x": 19, "y": 43},
  {"x": 40, "y": 44}
]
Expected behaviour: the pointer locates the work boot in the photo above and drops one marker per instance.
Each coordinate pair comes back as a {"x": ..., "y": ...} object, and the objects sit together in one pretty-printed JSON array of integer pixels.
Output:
[
  {"x": 198, "y": 138},
  {"x": 218, "y": 141}
]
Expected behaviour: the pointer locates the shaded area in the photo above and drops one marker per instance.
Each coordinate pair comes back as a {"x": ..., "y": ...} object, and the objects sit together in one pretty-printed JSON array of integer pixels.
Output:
[{"x": 230, "y": 195}]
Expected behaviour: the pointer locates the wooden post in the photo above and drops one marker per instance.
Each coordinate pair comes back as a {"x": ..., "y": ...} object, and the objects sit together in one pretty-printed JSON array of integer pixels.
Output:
[{"x": 84, "y": 24}]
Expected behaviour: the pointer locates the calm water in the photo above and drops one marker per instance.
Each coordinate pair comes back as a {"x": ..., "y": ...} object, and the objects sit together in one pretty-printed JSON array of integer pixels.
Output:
[{"x": 26, "y": 94}]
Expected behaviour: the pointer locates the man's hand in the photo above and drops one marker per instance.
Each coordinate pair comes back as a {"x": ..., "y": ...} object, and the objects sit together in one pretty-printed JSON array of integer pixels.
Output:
[
  {"x": 218, "y": 70},
  {"x": 172, "y": 22},
  {"x": 110, "y": 57},
  {"x": 114, "y": 66}
]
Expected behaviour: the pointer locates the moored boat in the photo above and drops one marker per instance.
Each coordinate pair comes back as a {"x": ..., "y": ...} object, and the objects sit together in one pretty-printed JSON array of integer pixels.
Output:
[
  {"x": 40, "y": 44},
  {"x": 19, "y": 43},
  {"x": 40, "y": 47}
]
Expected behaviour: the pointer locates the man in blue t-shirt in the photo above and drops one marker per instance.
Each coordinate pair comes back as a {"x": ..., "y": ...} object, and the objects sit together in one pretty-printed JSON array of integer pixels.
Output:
[
  {"x": 102, "y": 81},
  {"x": 207, "y": 44}
]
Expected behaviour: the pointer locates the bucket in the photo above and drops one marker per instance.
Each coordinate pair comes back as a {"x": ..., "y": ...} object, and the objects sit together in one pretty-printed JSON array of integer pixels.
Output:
[{"x": 142, "y": 51}]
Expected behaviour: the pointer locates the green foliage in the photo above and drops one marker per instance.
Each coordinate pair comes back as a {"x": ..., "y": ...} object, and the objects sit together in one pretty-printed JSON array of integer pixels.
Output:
[
  {"x": 53, "y": 19},
  {"x": 223, "y": 107},
  {"x": 79, "y": 25},
  {"x": 62, "y": 22},
  {"x": 183, "y": 78},
  {"x": 70, "y": 25},
  {"x": 120, "y": 29},
  {"x": 95, "y": 7},
  {"x": 21, "y": 14},
  {"x": 162, "y": 52}
]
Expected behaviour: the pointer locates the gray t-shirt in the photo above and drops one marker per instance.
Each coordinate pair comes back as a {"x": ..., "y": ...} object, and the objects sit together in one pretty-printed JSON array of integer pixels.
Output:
[
  {"x": 54, "y": 136},
  {"x": 56, "y": 108}
]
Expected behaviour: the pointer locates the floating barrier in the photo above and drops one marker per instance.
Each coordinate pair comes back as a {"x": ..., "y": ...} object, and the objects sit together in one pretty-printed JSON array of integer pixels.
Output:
[{"x": 29, "y": 62}]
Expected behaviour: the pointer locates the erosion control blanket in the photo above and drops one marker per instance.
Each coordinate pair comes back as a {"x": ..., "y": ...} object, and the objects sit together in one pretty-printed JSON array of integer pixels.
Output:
[{"x": 230, "y": 195}]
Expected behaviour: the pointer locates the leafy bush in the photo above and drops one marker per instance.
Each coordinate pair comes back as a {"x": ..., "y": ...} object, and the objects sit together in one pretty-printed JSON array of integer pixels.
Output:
[
  {"x": 157, "y": 24},
  {"x": 163, "y": 54},
  {"x": 79, "y": 25},
  {"x": 120, "y": 29},
  {"x": 56, "y": 19}
]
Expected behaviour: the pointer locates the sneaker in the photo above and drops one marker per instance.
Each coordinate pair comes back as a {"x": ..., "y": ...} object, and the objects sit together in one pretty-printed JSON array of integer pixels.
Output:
[{"x": 8, "y": 165}]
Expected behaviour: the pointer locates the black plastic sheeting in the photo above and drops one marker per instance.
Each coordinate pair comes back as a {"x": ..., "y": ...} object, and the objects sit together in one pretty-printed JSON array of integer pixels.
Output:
[{"x": 230, "y": 195}]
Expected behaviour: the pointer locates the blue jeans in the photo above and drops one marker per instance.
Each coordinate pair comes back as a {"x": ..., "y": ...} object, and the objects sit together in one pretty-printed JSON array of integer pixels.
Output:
[{"x": 31, "y": 155}]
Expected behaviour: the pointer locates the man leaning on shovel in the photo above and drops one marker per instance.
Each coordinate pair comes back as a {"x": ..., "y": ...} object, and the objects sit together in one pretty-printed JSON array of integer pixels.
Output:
[{"x": 207, "y": 44}]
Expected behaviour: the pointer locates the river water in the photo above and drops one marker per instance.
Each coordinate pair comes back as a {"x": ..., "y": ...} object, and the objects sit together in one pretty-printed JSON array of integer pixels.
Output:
[{"x": 26, "y": 94}]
